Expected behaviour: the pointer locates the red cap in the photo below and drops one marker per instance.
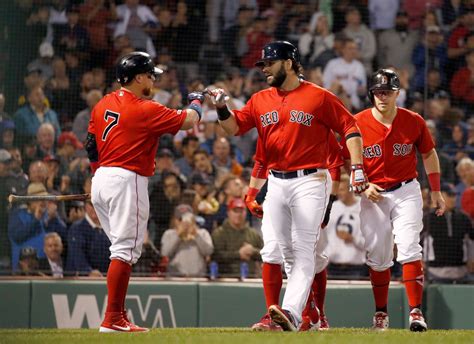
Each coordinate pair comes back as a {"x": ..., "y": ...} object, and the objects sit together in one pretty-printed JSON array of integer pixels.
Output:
[
  {"x": 236, "y": 203},
  {"x": 71, "y": 138}
]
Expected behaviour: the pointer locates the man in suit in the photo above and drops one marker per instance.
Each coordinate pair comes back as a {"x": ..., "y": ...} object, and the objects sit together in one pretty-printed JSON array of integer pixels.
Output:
[{"x": 52, "y": 264}]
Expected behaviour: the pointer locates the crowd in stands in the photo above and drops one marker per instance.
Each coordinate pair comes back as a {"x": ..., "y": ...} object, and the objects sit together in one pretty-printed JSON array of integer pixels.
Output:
[{"x": 59, "y": 61}]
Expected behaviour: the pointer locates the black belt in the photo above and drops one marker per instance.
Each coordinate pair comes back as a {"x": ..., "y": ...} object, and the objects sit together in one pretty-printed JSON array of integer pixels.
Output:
[
  {"x": 293, "y": 174},
  {"x": 398, "y": 186}
]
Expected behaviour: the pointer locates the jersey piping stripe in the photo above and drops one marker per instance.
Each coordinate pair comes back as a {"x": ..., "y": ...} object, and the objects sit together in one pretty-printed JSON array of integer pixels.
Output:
[{"x": 136, "y": 231}]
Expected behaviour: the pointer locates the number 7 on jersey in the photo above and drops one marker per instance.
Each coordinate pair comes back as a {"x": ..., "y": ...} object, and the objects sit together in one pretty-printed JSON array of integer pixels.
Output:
[{"x": 115, "y": 119}]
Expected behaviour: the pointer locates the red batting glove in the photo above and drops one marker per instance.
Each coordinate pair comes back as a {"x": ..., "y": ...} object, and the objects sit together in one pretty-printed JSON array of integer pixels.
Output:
[
  {"x": 255, "y": 208},
  {"x": 359, "y": 180}
]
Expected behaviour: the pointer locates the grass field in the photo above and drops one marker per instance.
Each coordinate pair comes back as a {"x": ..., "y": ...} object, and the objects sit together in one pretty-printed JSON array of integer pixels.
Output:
[{"x": 237, "y": 335}]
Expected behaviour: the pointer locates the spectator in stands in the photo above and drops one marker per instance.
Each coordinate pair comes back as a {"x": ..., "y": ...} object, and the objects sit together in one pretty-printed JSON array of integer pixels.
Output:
[
  {"x": 231, "y": 187},
  {"x": 52, "y": 263},
  {"x": 38, "y": 172},
  {"x": 234, "y": 33},
  {"x": 45, "y": 138},
  {"x": 134, "y": 20},
  {"x": 53, "y": 181},
  {"x": 462, "y": 84},
  {"x": 457, "y": 148},
  {"x": 416, "y": 11},
  {"x": 44, "y": 62},
  {"x": 68, "y": 144},
  {"x": 81, "y": 121},
  {"x": 437, "y": 59},
  {"x": 395, "y": 46},
  {"x": 434, "y": 85},
  {"x": 75, "y": 211},
  {"x": 30, "y": 116},
  {"x": 60, "y": 88},
  {"x": 189, "y": 145},
  {"x": 27, "y": 262},
  {"x": 382, "y": 14},
  {"x": 27, "y": 226},
  {"x": 349, "y": 72},
  {"x": 256, "y": 38},
  {"x": 164, "y": 197},
  {"x": 7, "y": 133},
  {"x": 464, "y": 170},
  {"x": 164, "y": 163},
  {"x": 235, "y": 242},
  {"x": 88, "y": 246},
  {"x": 316, "y": 45},
  {"x": 450, "y": 13},
  {"x": 467, "y": 197},
  {"x": 94, "y": 16},
  {"x": 444, "y": 238},
  {"x": 33, "y": 78},
  {"x": 461, "y": 41},
  {"x": 343, "y": 238},
  {"x": 203, "y": 164},
  {"x": 187, "y": 246},
  {"x": 17, "y": 180},
  {"x": 362, "y": 35},
  {"x": 72, "y": 35},
  {"x": 222, "y": 158},
  {"x": 205, "y": 200}
]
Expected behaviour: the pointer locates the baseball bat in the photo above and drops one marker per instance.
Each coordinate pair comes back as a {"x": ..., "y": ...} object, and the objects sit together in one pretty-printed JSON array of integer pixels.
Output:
[{"x": 53, "y": 198}]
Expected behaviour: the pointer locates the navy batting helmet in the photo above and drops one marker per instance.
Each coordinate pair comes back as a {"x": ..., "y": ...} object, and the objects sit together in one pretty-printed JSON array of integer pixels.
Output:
[
  {"x": 133, "y": 64},
  {"x": 383, "y": 79},
  {"x": 278, "y": 50}
]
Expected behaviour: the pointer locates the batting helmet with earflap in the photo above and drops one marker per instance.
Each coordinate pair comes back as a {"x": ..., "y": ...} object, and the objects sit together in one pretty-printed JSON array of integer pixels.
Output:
[
  {"x": 135, "y": 63},
  {"x": 383, "y": 79},
  {"x": 278, "y": 50}
]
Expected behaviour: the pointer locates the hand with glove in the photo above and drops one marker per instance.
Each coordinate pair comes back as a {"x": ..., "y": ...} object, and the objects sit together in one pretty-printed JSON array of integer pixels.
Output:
[
  {"x": 218, "y": 97},
  {"x": 359, "y": 180},
  {"x": 198, "y": 96},
  {"x": 327, "y": 214},
  {"x": 255, "y": 208}
]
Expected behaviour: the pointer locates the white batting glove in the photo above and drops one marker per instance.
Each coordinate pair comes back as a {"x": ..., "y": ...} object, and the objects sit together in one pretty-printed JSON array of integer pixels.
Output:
[
  {"x": 218, "y": 96},
  {"x": 359, "y": 180}
]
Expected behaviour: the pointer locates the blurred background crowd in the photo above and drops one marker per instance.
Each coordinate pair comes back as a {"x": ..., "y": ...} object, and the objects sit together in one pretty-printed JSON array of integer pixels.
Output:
[{"x": 58, "y": 61}]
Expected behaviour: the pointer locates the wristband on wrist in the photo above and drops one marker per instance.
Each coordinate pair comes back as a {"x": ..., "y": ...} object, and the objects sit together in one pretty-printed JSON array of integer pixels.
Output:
[
  {"x": 196, "y": 106},
  {"x": 253, "y": 192},
  {"x": 435, "y": 181},
  {"x": 357, "y": 167},
  {"x": 223, "y": 113}
]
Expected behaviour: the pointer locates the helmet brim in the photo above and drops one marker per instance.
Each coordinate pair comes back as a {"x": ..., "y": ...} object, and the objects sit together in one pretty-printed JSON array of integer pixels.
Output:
[
  {"x": 261, "y": 63},
  {"x": 384, "y": 87},
  {"x": 157, "y": 71}
]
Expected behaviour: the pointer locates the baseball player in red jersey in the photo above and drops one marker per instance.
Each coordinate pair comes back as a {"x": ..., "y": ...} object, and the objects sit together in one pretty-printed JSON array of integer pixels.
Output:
[
  {"x": 294, "y": 119},
  {"x": 271, "y": 255},
  {"x": 121, "y": 143},
  {"x": 391, "y": 208}
]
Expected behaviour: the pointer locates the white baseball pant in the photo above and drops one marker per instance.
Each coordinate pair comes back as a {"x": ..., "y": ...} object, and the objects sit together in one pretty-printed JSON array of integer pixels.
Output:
[
  {"x": 120, "y": 199},
  {"x": 397, "y": 218},
  {"x": 296, "y": 209}
]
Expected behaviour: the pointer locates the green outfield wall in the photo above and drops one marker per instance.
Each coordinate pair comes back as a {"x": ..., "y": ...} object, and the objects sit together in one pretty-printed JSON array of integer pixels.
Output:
[{"x": 81, "y": 304}]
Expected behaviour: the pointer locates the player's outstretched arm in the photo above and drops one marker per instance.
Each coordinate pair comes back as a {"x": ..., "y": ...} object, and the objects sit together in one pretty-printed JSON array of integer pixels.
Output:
[
  {"x": 194, "y": 110},
  {"x": 433, "y": 171}
]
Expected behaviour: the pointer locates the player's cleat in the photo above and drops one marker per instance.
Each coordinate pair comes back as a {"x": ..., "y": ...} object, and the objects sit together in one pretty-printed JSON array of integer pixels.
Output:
[
  {"x": 266, "y": 324},
  {"x": 380, "y": 322},
  {"x": 282, "y": 317},
  {"x": 417, "y": 321},
  {"x": 324, "y": 323},
  {"x": 310, "y": 320},
  {"x": 118, "y": 322}
]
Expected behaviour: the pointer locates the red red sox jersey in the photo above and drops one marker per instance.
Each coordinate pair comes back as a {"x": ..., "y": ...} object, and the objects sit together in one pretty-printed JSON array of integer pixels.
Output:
[
  {"x": 295, "y": 126},
  {"x": 389, "y": 153},
  {"x": 127, "y": 128}
]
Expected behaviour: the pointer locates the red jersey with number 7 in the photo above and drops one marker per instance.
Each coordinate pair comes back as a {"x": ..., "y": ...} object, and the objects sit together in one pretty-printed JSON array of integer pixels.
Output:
[
  {"x": 389, "y": 152},
  {"x": 127, "y": 129}
]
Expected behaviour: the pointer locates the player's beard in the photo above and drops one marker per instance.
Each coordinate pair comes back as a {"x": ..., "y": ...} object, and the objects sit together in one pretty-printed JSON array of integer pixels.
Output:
[{"x": 279, "y": 78}]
